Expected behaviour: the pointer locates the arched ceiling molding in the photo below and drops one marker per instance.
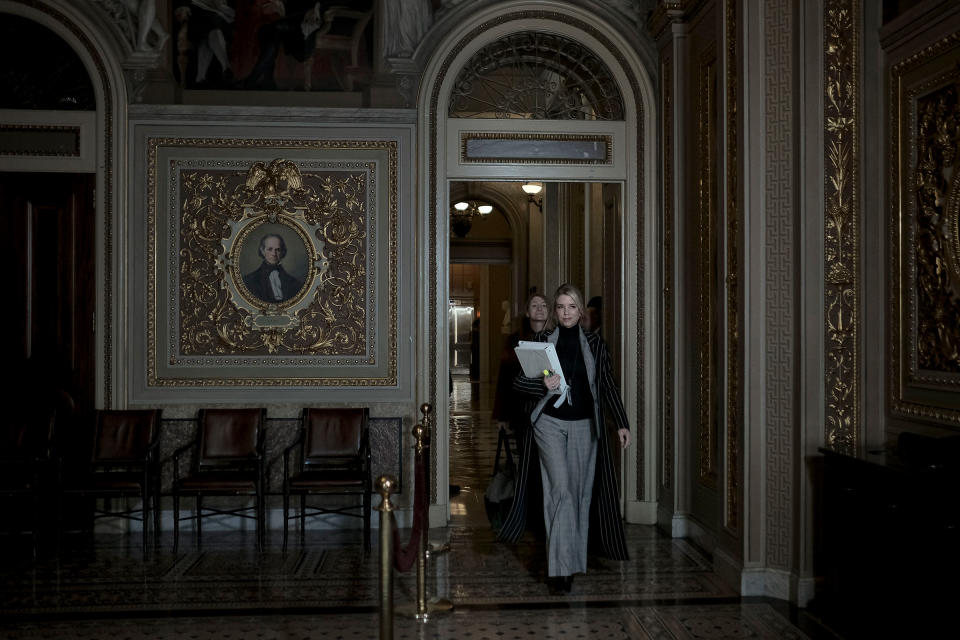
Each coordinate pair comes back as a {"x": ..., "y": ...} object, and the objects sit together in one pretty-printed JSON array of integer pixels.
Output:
[
  {"x": 84, "y": 28},
  {"x": 535, "y": 75},
  {"x": 633, "y": 33},
  {"x": 634, "y": 74}
]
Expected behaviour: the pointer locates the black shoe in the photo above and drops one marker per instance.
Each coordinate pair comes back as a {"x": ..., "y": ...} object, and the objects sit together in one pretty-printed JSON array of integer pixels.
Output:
[
  {"x": 555, "y": 585},
  {"x": 560, "y": 585}
]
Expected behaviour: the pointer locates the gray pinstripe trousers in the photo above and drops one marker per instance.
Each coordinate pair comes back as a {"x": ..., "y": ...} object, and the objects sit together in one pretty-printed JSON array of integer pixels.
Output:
[{"x": 568, "y": 455}]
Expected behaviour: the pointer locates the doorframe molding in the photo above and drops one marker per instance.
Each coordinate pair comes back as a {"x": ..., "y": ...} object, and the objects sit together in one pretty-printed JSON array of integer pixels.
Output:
[
  {"x": 100, "y": 53},
  {"x": 641, "y": 276}
]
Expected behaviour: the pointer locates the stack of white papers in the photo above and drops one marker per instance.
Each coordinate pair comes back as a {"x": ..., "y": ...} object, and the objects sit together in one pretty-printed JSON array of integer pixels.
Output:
[{"x": 538, "y": 360}]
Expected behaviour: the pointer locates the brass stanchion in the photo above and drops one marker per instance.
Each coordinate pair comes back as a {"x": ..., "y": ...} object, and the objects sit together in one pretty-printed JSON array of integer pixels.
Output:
[
  {"x": 425, "y": 609},
  {"x": 385, "y": 486},
  {"x": 433, "y": 548}
]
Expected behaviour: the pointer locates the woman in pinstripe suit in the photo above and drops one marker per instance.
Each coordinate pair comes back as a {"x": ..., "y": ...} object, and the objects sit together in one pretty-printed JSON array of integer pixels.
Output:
[{"x": 577, "y": 474}]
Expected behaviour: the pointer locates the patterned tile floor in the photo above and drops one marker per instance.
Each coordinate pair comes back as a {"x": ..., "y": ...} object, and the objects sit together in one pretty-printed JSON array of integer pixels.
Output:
[{"x": 327, "y": 588}]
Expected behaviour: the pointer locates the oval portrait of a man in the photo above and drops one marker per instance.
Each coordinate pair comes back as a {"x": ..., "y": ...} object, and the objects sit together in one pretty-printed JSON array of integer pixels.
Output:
[{"x": 273, "y": 261}]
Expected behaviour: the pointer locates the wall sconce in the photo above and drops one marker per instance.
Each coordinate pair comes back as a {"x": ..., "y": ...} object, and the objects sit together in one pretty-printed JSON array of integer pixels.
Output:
[
  {"x": 532, "y": 189},
  {"x": 461, "y": 217}
]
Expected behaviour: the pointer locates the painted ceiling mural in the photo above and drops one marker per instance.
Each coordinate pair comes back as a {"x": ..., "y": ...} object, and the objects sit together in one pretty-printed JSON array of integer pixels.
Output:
[{"x": 273, "y": 44}]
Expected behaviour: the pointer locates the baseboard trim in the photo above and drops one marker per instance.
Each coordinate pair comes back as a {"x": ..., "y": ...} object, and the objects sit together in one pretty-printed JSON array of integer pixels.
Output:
[
  {"x": 758, "y": 581},
  {"x": 641, "y": 512}
]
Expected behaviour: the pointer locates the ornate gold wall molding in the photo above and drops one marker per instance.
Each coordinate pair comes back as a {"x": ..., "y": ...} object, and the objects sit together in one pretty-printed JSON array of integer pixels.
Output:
[
  {"x": 272, "y": 272},
  {"x": 734, "y": 260},
  {"x": 842, "y": 281},
  {"x": 708, "y": 375},
  {"x": 935, "y": 341},
  {"x": 925, "y": 223}
]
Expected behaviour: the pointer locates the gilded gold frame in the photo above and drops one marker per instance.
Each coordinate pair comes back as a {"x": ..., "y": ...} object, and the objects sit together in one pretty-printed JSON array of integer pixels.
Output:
[
  {"x": 916, "y": 393},
  {"x": 380, "y": 358}
]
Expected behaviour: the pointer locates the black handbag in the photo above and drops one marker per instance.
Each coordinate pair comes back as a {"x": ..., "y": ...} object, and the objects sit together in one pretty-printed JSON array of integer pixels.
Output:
[{"x": 498, "y": 497}]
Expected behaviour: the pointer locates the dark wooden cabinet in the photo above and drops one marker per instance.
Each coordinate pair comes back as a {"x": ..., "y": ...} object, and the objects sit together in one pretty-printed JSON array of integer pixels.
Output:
[{"x": 890, "y": 539}]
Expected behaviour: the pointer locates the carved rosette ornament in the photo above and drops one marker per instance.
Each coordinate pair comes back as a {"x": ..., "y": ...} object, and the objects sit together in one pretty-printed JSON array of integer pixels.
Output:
[{"x": 841, "y": 232}]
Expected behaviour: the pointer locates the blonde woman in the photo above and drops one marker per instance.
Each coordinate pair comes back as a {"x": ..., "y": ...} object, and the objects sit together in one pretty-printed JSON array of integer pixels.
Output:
[{"x": 579, "y": 487}]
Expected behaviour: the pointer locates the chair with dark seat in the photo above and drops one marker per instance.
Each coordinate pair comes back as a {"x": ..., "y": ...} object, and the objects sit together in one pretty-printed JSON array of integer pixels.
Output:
[
  {"x": 28, "y": 468},
  {"x": 124, "y": 464},
  {"x": 334, "y": 460},
  {"x": 228, "y": 460}
]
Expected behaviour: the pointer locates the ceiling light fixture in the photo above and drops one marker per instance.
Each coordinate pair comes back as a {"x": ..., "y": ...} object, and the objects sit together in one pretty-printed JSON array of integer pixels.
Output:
[
  {"x": 532, "y": 189},
  {"x": 461, "y": 217}
]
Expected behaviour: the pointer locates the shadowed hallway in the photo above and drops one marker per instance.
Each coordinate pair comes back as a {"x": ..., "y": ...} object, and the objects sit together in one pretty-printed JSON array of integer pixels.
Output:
[{"x": 106, "y": 588}]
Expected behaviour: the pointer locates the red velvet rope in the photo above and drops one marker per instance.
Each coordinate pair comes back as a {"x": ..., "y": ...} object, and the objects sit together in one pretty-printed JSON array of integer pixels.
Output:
[{"x": 404, "y": 557}]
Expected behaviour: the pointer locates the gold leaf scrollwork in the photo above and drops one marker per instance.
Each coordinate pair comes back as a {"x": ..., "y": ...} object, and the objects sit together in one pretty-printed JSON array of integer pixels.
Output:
[
  {"x": 841, "y": 233},
  {"x": 224, "y": 217},
  {"x": 936, "y": 246}
]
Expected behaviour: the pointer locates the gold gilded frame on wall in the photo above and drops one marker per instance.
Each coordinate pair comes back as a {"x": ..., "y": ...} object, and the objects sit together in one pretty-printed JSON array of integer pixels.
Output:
[
  {"x": 924, "y": 376},
  {"x": 271, "y": 263}
]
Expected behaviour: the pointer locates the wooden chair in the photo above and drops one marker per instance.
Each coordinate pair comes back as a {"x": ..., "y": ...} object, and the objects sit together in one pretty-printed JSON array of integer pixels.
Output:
[
  {"x": 124, "y": 464},
  {"x": 334, "y": 460},
  {"x": 228, "y": 461},
  {"x": 28, "y": 467}
]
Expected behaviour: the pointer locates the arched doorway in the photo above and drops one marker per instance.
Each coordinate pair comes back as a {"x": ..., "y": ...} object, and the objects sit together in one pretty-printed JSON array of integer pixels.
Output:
[
  {"x": 100, "y": 140},
  {"x": 488, "y": 148}
]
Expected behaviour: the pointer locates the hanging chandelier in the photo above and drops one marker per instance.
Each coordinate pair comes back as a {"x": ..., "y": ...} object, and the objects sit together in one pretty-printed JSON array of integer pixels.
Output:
[{"x": 462, "y": 213}]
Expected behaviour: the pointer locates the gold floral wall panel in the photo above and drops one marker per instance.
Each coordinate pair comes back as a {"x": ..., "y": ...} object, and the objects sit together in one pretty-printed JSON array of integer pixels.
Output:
[
  {"x": 272, "y": 263},
  {"x": 925, "y": 233},
  {"x": 842, "y": 228}
]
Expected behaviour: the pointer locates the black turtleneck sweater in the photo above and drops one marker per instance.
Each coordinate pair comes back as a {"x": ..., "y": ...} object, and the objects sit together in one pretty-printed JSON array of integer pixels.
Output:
[{"x": 575, "y": 370}]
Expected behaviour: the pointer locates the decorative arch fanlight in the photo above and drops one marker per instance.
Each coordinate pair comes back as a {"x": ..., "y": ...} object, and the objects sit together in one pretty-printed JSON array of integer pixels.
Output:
[{"x": 537, "y": 76}]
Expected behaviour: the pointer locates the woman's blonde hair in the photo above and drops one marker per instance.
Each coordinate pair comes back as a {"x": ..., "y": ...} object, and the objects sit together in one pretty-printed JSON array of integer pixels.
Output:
[{"x": 568, "y": 289}]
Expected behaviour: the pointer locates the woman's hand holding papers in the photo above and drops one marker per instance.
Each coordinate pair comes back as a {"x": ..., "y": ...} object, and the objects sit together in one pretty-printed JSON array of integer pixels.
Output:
[{"x": 552, "y": 382}]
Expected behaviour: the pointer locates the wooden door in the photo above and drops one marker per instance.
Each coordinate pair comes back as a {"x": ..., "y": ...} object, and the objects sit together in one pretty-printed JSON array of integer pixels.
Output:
[{"x": 49, "y": 221}]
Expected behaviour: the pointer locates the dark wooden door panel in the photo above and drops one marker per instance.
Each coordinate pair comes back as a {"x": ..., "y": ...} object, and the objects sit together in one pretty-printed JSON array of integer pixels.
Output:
[{"x": 48, "y": 220}]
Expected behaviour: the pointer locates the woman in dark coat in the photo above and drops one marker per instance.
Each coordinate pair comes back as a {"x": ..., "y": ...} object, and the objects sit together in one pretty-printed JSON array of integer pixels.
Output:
[
  {"x": 509, "y": 410},
  {"x": 512, "y": 410},
  {"x": 579, "y": 487}
]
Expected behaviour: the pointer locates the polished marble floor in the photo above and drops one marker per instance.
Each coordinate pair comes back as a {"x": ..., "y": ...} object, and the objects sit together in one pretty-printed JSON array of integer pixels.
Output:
[{"x": 327, "y": 588}]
